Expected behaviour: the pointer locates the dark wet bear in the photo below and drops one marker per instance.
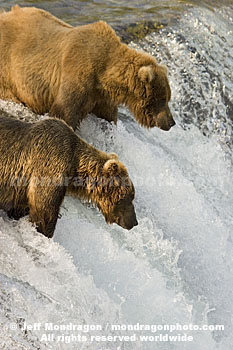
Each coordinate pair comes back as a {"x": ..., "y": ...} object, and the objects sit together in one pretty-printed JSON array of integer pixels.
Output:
[{"x": 42, "y": 162}]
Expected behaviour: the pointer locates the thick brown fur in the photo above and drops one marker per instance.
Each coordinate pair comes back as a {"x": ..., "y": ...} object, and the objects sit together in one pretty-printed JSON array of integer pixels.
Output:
[
  {"x": 68, "y": 71},
  {"x": 41, "y": 162}
]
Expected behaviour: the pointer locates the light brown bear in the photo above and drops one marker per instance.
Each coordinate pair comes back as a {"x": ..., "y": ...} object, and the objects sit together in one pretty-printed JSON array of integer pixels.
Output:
[
  {"x": 69, "y": 72},
  {"x": 41, "y": 162}
]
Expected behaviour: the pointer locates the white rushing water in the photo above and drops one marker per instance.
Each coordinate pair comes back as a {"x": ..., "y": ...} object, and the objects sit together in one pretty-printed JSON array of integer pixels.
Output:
[{"x": 176, "y": 265}]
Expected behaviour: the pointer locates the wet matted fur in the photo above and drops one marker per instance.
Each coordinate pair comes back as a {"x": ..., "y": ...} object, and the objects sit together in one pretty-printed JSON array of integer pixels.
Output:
[{"x": 41, "y": 162}]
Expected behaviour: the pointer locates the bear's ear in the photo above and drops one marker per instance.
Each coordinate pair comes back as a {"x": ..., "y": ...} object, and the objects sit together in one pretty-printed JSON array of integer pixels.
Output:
[
  {"x": 113, "y": 156},
  {"x": 146, "y": 74},
  {"x": 15, "y": 8},
  {"x": 163, "y": 68},
  {"x": 111, "y": 167}
]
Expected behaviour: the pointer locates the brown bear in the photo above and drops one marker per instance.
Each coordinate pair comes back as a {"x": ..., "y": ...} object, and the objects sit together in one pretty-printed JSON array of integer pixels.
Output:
[
  {"x": 69, "y": 72},
  {"x": 41, "y": 162}
]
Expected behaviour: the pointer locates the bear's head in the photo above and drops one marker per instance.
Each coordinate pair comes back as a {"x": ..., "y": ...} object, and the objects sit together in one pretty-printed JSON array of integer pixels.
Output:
[
  {"x": 150, "y": 97},
  {"x": 117, "y": 194}
]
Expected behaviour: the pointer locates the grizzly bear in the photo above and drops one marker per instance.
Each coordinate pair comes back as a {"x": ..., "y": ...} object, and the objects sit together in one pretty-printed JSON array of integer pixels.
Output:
[
  {"x": 42, "y": 162},
  {"x": 69, "y": 72}
]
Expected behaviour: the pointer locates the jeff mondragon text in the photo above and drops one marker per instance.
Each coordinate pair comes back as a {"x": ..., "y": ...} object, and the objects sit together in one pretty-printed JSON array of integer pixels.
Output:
[{"x": 153, "y": 328}]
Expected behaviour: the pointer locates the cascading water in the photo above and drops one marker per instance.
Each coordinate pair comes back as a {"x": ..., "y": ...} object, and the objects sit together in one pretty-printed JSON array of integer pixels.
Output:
[{"x": 176, "y": 265}]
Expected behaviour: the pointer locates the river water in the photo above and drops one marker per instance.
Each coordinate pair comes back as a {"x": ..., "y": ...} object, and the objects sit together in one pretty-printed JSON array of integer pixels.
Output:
[
  {"x": 116, "y": 12},
  {"x": 176, "y": 265}
]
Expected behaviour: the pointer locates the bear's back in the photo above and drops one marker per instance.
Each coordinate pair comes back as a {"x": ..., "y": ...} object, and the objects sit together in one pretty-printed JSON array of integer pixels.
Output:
[
  {"x": 29, "y": 14},
  {"x": 22, "y": 22},
  {"x": 30, "y": 146}
]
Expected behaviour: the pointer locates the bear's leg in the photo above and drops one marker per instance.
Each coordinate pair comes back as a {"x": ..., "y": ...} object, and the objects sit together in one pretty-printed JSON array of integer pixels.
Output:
[
  {"x": 59, "y": 111},
  {"x": 72, "y": 104},
  {"x": 44, "y": 205},
  {"x": 45, "y": 221},
  {"x": 7, "y": 95},
  {"x": 17, "y": 213},
  {"x": 107, "y": 110}
]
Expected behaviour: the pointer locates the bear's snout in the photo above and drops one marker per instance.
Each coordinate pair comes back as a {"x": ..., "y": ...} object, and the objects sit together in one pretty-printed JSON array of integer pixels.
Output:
[
  {"x": 124, "y": 214},
  {"x": 134, "y": 223},
  {"x": 164, "y": 120},
  {"x": 128, "y": 220},
  {"x": 128, "y": 224}
]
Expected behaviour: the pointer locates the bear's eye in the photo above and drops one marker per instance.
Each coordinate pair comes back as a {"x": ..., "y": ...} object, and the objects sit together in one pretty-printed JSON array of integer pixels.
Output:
[{"x": 161, "y": 104}]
